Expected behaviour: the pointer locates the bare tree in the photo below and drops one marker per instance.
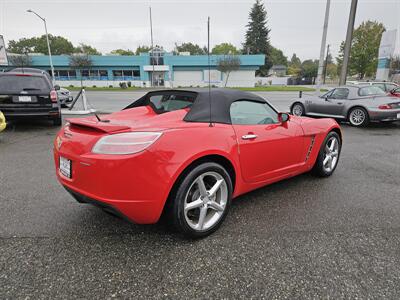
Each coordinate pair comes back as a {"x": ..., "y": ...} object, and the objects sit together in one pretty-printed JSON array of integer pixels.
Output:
[
  {"x": 80, "y": 62},
  {"x": 20, "y": 60},
  {"x": 227, "y": 64}
]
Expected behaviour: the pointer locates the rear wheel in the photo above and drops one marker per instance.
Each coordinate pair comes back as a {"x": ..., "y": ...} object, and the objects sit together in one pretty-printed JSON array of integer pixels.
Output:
[
  {"x": 202, "y": 200},
  {"x": 358, "y": 117},
  {"x": 328, "y": 156},
  {"x": 298, "y": 109}
]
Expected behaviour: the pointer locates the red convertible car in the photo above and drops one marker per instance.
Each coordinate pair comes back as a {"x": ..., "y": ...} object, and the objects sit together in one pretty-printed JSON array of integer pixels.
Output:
[{"x": 179, "y": 154}]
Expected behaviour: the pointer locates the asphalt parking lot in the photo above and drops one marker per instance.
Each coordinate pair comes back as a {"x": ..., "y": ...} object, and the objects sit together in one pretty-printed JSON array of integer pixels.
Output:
[{"x": 304, "y": 237}]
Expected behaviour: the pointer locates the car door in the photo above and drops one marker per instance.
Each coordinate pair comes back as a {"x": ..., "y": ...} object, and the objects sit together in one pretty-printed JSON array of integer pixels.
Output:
[
  {"x": 333, "y": 103},
  {"x": 315, "y": 104},
  {"x": 267, "y": 148}
]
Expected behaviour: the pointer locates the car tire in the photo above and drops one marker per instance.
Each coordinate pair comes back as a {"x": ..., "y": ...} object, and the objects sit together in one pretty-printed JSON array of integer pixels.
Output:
[
  {"x": 57, "y": 121},
  {"x": 197, "y": 210},
  {"x": 328, "y": 155},
  {"x": 298, "y": 109},
  {"x": 358, "y": 117}
]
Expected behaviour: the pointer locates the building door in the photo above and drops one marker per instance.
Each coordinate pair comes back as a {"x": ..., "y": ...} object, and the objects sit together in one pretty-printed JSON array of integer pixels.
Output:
[{"x": 158, "y": 79}]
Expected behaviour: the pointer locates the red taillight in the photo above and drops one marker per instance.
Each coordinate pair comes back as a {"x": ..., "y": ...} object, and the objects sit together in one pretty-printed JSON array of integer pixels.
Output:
[
  {"x": 53, "y": 96},
  {"x": 385, "y": 106},
  {"x": 26, "y": 75}
]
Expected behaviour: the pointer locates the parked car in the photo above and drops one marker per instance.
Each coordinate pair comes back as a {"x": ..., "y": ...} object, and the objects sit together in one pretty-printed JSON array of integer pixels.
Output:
[
  {"x": 3, "y": 122},
  {"x": 25, "y": 95},
  {"x": 385, "y": 86},
  {"x": 31, "y": 70},
  {"x": 64, "y": 96},
  {"x": 358, "y": 104},
  {"x": 176, "y": 153}
]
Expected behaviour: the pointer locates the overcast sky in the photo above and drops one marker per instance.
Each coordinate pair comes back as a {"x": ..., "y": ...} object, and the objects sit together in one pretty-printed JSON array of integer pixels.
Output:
[{"x": 296, "y": 25}]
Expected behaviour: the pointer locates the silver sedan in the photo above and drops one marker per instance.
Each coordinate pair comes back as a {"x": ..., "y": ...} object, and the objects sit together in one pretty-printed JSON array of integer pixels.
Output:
[{"x": 357, "y": 104}]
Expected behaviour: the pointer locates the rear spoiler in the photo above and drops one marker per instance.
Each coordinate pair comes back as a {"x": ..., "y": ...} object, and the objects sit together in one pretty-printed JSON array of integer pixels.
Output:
[{"x": 99, "y": 126}]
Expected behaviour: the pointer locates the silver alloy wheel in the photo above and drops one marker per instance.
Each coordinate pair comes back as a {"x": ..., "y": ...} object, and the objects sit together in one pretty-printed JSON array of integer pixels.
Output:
[
  {"x": 297, "y": 110},
  {"x": 357, "y": 116},
  {"x": 206, "y": 201},
  {"x": 331, "y": 154}
]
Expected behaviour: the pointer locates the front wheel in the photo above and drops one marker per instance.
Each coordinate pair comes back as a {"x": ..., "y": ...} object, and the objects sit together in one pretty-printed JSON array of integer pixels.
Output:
[
  {"x": 328, "y": 156},
  {"x": 358, "y": 117},
  {"x": 298, "y": 109},
  {"x": 202, "y": 200}
]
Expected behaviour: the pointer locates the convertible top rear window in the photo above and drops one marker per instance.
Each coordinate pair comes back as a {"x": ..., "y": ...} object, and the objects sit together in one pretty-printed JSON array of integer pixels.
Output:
[{"x": 170, "y": 102}]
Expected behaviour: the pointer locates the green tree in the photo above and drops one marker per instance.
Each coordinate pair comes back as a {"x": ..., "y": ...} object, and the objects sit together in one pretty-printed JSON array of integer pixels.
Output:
[
  {"x": 364, "y": 49},
  {"x": 309, "y": 69},
  {"x": 227, "y": 64},
  {"x": 277, "y": 57},
  {"x": 193, "y": 49},
  {"x": 122, "y": 52},
  {"x": 142, "y": 49},
  {"x": 257, "y": 35},
  {"x": 394, "y": 65},
  {"x": 59, "y": 45},
  {"x": 331, "y": 70},
  {"x": 86, "y": 49},
  {"x": 80, "y": 62},
  {"x": 224, "y": 48},
  {"x": 295, "y": 62}
]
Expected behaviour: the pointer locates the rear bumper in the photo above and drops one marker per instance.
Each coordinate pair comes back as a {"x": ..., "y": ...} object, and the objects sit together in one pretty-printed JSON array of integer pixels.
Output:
[
  {"x": 103, "y": 205},
  {"x": 14, "y": 113},
  {"x": 384, "y": 115},
  {"x": 127, "y": 187}
]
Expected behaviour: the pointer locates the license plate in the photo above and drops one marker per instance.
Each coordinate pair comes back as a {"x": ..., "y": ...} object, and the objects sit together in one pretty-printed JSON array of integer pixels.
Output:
[
  {"x": 25, "y": 99},
  {"x": 65, "y": 167},
  {"x": 398, "y": 116}
]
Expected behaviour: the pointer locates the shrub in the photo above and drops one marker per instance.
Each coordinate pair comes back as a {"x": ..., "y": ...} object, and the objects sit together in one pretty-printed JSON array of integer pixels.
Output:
[
  {"x": 129, "y": 84},
  {"x": 123, "y": 85},
  {"x": 94, "y": 86},
  {"x": 110, "y": 86},
  {"x": 71, "y": 86}
]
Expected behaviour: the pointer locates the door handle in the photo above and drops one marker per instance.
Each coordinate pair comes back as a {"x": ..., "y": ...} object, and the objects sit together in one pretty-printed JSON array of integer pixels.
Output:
[
  {"x": 249, "y": 136},
  {"x": 340, "y": 103}
]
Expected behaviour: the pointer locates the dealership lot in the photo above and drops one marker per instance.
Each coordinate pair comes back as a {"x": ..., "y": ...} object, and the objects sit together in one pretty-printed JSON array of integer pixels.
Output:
[{"x": 301, "y": 238}]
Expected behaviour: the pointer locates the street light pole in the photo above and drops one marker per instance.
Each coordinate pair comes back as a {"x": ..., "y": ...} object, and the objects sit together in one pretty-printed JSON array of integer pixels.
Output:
[
  {"x": 152, "y": 48},
  {"x": 347, "y": 45},
  {"x": 323, "y": 43},
  {"x": 48, "y": 44}
]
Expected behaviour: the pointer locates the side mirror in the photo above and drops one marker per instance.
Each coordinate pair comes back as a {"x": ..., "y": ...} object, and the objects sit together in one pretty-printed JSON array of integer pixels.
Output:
[
  {"x": 283, "y": 117},
  {"x": 57, "y": 87}
]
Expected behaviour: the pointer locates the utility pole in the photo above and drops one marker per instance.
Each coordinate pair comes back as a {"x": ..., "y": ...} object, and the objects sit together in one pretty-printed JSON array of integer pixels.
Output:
[
  {"x": 347, "y": 45},
  {"x": 323, "y": 45},
  {"x": 48, "y": 44},
  {"x": 326, "y": 63},
  {"x": 152, "y": 49}
]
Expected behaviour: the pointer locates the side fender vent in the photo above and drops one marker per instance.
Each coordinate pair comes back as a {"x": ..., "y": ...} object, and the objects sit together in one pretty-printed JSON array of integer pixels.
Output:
[{"x": 310, "y": 147}]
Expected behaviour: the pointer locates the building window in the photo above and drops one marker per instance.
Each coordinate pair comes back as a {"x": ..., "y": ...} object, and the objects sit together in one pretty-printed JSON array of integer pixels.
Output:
[
  {"x": 103, "y": 74},
  {"x": 85, "y": 73},
  {"x": 117, "y": 73}
]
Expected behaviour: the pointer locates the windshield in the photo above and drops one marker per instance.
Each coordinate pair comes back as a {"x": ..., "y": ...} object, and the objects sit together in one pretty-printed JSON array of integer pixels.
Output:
[
  {"x": 370, "y": 90},
  {"x": 16, "y": 84}
]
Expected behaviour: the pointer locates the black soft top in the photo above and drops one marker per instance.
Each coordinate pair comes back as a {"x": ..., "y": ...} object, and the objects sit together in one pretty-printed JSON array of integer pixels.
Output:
[{"x": 221, "y": 100}]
